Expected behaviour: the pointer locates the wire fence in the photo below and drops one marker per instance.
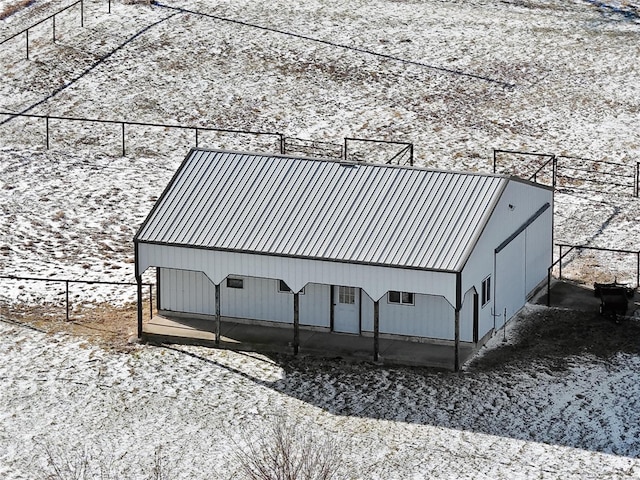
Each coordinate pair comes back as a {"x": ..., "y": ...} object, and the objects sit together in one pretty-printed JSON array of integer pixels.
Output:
[
  {"x": 603, "y": 265},
  {"x": 51, "y": 17},
  {"x": 570, "y": 173},
  {"x": 63, "y": 285},
  {"x": 371, "y": 150},
  {"x": 386, "y": 151}
]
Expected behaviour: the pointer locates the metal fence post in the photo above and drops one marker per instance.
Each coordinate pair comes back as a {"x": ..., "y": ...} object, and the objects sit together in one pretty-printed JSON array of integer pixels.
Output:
[
  {"x": 67, "y": 297},
  {"x": 54, "y": 28},
  {"x": 555, "y": 171},
  {"x": 109, "y": 11},
  {"x": 196, "y": 137},
  {"x": 282, "y": 144},
  {"x": 411, "y": 154},
  {"x": 27, "y": 32},
  {"x": 124, "y": 152},
  {"x": 345, "y": 148},
  {"x": 494, "y": 160},
  {"x": 46, "y": 123},
  {"x": 82, "y": 13},
  {"x": 560, "y": 264}
]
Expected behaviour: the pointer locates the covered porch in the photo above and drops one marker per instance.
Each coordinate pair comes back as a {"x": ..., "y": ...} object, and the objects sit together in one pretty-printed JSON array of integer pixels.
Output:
[{"x": 235, "y": 335}]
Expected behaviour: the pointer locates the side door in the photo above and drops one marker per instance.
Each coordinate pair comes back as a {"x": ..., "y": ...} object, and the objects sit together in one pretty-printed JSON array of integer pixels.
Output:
[{"x": 346, "y": 309}]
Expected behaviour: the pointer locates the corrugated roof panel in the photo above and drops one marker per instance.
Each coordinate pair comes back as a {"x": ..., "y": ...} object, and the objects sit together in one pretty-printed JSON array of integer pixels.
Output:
[
  {"x": 449, "y": 217},
  {"x": 482, "y": 193},
  {"x": 418, "y": 214},
  {"x": 322, "y": 209}
]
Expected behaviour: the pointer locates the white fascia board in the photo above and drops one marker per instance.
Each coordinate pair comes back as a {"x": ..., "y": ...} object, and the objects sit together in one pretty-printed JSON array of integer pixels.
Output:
[{"x": 375, "y": 280}]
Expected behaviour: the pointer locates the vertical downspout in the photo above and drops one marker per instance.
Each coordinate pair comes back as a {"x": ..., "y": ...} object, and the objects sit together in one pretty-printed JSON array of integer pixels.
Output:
[{"x": 456, "y": 365}]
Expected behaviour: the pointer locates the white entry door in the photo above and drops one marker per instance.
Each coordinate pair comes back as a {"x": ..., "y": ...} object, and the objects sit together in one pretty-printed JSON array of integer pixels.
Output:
[{"x": 346, "y": 309}]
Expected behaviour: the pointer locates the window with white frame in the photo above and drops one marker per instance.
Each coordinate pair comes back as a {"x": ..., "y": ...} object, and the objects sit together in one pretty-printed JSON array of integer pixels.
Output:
[
  {"x": 403, "y": 298},
  {"x": 235, "y": 283},
  {"x": 486, "y": 290},
  {"x": 347, "y": 295},
  {"x": 284, "y": 288}
]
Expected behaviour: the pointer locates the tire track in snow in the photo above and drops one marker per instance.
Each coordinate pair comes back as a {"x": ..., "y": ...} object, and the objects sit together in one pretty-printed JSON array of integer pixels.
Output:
[{"x": 88, "y": 70}]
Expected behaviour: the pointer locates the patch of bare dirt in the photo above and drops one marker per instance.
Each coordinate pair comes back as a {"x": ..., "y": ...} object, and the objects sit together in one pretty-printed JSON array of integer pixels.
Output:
[{"x": 102, "y": 324}]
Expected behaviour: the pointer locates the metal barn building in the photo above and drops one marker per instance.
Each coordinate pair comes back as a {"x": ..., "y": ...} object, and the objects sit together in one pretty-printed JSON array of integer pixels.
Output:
[{"x": 370, "y": 250}]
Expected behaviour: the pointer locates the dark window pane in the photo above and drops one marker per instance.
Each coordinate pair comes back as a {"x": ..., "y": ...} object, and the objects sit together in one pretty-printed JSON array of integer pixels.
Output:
[{"x": 394, "y": 297}]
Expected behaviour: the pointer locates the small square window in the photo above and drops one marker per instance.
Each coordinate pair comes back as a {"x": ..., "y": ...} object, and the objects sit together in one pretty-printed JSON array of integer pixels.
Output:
[
  {"x": 407, "y": 298},
  {"x": 235, "y": 283},
  {"x": 486, "y": 290},
  {"x": 394, "y": 297},
  {"x": 347, "y": 295}
]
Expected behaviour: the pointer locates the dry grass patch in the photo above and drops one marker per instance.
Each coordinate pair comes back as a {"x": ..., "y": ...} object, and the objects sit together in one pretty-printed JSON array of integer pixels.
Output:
[
  {"x": 102, "y": 324},
  {"x": 14, "y": 7}
]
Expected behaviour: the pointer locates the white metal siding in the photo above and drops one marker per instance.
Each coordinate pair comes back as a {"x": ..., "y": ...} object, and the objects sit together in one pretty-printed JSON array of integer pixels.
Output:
[
  {"x": 315, "y": 305},
  {"x": 430, "y": 317},
  {"x": 258, "y": 300},
  {"x": 525, "y": 199},
  {"x": 509, "y": 281},
  {"x": 466, "y": 316},
  {"x": 539, "y": 250},
  {"x": 192, "y": 292},
  {"x": 186, "y": 291}
]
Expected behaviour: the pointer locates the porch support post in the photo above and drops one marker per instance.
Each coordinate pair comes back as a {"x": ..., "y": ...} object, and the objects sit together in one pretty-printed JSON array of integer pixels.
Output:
[
  {"x": 217, "y": 285},
  {"x": 296, "y": 322},
  {"x": 376, "y": 330},
  {"x": 456, "y": 364},
  {"x": 139, "y": 282},
  {"x": 456, "y": 360}
]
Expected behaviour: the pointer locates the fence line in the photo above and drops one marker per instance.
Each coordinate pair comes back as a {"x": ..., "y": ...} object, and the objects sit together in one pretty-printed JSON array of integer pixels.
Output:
[
  {"x": 123, "y": 124},
  {"x": 283, "y": 141},
  {"x": 53, "y": 18},
  {"x": 568, "y": 248},
  {"x": 569, "y": 170},
  {"x": 68, "y": 282},
  {"x": 408, "y": 148}
]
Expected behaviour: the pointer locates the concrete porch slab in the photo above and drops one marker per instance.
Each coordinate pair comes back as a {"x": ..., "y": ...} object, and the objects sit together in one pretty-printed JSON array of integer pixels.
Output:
[{"x": 261, "y": 338}]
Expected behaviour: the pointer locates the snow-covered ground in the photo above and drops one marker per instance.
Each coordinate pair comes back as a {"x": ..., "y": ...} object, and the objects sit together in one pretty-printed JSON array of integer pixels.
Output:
[
  {"x": 196, "y": 407},
  {"x": 466, "y": 77}
]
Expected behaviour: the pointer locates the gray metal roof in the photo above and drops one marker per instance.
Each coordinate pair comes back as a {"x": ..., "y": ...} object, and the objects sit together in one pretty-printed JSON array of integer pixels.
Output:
[{"x": 365, "y": 213}]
